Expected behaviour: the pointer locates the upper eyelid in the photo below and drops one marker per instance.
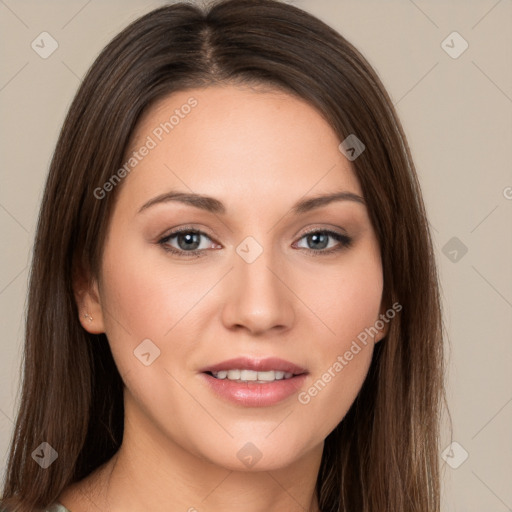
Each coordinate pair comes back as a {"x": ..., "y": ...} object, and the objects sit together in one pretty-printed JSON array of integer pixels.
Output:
[{"x": 178, "y": 231}]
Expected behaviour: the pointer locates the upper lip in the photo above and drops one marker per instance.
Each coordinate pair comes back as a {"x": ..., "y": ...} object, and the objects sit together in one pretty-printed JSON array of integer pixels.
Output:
[{"x": 259, "y": 365}]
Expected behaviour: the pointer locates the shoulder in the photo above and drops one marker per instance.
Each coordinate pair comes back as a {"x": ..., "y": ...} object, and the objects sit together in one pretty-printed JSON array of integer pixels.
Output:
[{"x": 77, "y": 497}]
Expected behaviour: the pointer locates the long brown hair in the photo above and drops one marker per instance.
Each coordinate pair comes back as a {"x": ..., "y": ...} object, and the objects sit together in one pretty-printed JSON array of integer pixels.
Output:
[{"x": 384, "y": 453}]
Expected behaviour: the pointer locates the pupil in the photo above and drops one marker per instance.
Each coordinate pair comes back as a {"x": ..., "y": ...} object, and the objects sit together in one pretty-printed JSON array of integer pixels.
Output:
[
  {"x": 189, "y": 238},
  {"x": 316, "y": 238}
]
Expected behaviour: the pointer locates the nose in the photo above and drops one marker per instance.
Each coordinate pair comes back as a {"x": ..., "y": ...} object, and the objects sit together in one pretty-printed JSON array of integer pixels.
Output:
[{"x": 257, "y": 296}]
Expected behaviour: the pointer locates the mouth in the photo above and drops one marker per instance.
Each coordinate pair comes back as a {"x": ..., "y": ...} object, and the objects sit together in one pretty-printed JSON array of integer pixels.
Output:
[
  {"x": 254, "y": 382},
  {"x": 241, "y": 375},
  {"x": 248, "y": 369}
]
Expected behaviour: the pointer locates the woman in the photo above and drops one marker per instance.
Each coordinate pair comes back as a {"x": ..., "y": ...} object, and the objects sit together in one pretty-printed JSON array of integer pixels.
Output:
[{"x": 293, "y": 360}]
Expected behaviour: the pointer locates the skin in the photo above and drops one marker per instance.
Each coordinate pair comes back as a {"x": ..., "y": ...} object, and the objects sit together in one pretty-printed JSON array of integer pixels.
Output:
[{"x": 258, "y": 151}]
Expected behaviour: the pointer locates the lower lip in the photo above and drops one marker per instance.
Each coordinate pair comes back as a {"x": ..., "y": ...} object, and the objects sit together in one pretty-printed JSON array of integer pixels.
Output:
[{"x": 254, "y": 394}]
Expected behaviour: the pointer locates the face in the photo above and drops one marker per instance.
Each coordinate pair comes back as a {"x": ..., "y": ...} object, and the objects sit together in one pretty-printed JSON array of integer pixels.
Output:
[{"x": 258, "y": 273}]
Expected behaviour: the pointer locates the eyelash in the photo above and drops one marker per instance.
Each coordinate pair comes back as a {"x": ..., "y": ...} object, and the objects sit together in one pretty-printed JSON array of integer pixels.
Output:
[{"x": 344, "y": 242}]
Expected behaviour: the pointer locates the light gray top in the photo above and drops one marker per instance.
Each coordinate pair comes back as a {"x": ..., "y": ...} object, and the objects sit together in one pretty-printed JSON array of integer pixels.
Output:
[
  {"x": 57, "y": 507},
  {"x": 54, "y": 507}
]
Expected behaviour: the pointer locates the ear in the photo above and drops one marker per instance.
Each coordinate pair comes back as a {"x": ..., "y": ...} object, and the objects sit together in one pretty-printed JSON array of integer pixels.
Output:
[
  {"x": 383, "y": 319},
  {"x": 87, "y": 297}
]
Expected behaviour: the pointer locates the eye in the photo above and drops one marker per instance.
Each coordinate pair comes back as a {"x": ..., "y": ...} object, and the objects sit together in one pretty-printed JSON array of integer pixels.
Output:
[
  {"x": 318, "y": 241},
  {"x": 188, "y": 242}
]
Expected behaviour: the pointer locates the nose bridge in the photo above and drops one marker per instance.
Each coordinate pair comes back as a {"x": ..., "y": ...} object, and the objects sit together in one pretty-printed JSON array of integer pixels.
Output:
[
  {"x": 256, "y": 297},
  {"x": 253, "y": 265}
]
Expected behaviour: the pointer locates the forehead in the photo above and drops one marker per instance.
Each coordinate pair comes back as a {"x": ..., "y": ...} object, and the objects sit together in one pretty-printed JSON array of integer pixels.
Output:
[{"x": 237, "y": 141}]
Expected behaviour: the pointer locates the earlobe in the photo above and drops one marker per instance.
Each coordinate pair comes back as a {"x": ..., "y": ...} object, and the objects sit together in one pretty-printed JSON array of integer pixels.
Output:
[{"x": 88, "y": 304}]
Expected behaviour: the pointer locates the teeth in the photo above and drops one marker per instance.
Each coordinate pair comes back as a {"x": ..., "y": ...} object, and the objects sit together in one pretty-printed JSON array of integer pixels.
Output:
[
  {"x": 248, "y": 375},
  {"x": 233, "y": 374},
  {"x": 251, "y": 375}
]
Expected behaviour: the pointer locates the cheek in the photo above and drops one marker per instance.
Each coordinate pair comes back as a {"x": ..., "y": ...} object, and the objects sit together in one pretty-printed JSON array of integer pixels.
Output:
[
  {"x": 345, "y": 298},
  {"x": 144, "y": 290},
  {"x": 348, "y": 305},
  {"x": 146, "y": 296}
]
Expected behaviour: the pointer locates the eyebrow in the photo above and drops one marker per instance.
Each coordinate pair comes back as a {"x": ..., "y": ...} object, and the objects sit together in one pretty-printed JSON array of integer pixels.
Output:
[{"x": 213, "y": 205}]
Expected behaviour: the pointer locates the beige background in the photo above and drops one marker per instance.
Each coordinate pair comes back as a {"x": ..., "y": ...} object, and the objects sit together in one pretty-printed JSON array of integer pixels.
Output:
[{"x": 457, "y": 113}]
